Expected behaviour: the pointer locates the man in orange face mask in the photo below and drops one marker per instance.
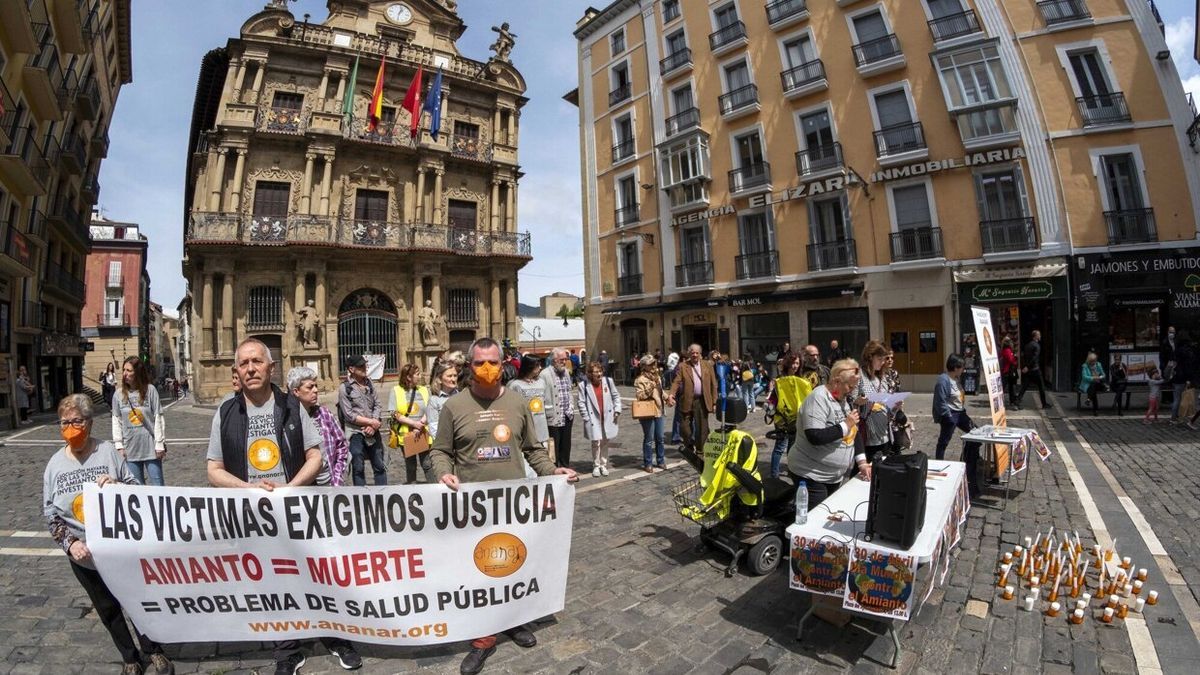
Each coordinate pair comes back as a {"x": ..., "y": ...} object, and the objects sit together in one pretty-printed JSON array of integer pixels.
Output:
[{"x": 480, "y": 433}]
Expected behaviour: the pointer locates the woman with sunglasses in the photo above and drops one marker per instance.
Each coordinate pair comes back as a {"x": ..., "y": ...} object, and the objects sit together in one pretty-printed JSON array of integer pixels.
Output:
[{"x": 79, "y": 462}]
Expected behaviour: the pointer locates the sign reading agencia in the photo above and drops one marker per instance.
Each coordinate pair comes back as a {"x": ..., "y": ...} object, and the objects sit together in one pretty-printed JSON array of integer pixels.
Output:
[{"x": 835, "y": 183}]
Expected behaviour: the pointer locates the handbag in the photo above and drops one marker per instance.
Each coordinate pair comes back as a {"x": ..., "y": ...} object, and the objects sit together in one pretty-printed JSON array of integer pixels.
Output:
[{"x": 645, "y": 410}]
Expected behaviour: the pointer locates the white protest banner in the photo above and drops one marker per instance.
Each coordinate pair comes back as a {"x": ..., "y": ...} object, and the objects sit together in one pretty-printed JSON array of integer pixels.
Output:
[{"x": 391, "y": 565}]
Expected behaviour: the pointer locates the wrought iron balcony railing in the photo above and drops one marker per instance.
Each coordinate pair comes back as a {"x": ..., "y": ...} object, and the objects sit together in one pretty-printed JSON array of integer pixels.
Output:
[
  {"x": 917, "y": 243},
  {"x": 819, "y": 158},
  {"x": 622, "y": 150},
  {"x": 1103, "y": 109},
  {"x": 757, "y": 265},
  {"x": 899, "y": 138},
  {"x": 694, "y": 274},
  {"x": 782, "y": 10},
  {"x": 682, "y": 121},
  {"x": 627, "y": 215},
  {"x": 675, "y": 60},
  {"x": 801, "y": 75},
  {"x": 954, "y": 25},
  {"x": 1063, "y": 11},
  {"x": 726, "y": 36},
  {"x": 619, "y": 94},
  {"x": 742, "y": 97},
  {"x": 874, "y": 51},
  {"x": 1131, "y": 226},
  {"x": 630, "y": 284},
  {"x": 750, "y": 176},
  {"x": 832, "y": 255},
  {"x": 1007, "y": 235}
]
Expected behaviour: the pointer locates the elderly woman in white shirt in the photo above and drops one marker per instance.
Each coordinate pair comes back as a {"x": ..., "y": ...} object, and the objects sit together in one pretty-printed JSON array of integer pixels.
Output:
[{"x": 600, "y": 406}]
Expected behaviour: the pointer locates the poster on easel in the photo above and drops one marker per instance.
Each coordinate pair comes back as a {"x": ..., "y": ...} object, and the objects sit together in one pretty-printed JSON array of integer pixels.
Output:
[{"x": 989, "y": 360}]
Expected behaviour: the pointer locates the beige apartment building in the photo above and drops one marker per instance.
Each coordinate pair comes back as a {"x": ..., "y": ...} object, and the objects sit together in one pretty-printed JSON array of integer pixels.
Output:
[
  {"x": 325, "y": 237},
  {"x": 761, "y": 172},
  {"x": 62, "y": 65}
]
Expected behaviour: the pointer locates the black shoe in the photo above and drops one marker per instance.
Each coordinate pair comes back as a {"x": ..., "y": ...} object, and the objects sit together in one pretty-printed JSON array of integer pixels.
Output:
[
  {"x": 522, "y": 636},
  {"x": 473, "y": 662},
  {"x": 290, "y": 665},
  {"x": 346, "y": 655}
]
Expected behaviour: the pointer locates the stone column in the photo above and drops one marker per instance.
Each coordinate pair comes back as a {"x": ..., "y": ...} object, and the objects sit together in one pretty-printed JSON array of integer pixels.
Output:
[
  {"x": 322, "y": 93},
  {"x": 306, "y": 187},
  {"x": 218, "y": 184},
  {"x": 208, "y": 342},
  {"x": 435, "y": 291},
  {"x": 495, "y": 205},
  {"x": 290, "y": 321},
  {"x": 494, "y": 311},
  {"x": 510, "y": 310},
  {"x": 341, "y": 90},
  {"x": 421, "y": 215},
  {"x": 326, "y": 183},
  {"x": 510, "y": 217},
  {"x": 496, "y": 117},
  {"x": 512, "y": 127},
  {"x": 239, "y": 80},
  {"x": 229, "y": 331},
  {"x": 320, "y": 303},
  {"x": 231, "y": 78},
  {"x": 437, "y": 196},
  {"x": 258, "y": 79},
  {"x": 239, "y": 168}
]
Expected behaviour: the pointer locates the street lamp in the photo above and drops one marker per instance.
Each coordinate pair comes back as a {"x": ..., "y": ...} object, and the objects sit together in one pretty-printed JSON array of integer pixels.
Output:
[{"x": 536, "y": 334}]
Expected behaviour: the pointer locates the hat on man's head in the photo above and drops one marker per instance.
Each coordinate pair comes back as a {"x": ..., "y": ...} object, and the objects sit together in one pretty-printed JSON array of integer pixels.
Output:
[{"x": 355, "y": 361}]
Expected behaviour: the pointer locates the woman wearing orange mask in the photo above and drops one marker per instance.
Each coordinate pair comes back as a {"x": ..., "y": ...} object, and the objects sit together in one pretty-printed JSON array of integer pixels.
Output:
[{"x": 73, "y": 466}]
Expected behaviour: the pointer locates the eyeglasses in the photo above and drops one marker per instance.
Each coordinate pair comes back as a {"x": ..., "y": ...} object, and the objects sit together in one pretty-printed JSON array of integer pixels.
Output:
[{"x": 76, "y": 422}]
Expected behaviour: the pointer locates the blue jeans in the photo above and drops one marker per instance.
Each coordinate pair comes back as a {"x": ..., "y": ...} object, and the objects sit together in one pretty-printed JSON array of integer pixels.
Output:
[
  {"x": 652, "y": 442},
  {"x": 748, "y": 395},
  {"x": 675, "y": 424},
  {"x": 1177, "y": 394},
  {"x": 375, "y": 450},
  {"x": 783, "y": 441},
  {"x": 147, "y": 472}
]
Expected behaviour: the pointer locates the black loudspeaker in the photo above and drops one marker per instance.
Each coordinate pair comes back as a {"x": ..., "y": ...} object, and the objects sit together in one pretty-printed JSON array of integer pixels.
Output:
[{"x": 896, "y": 509}]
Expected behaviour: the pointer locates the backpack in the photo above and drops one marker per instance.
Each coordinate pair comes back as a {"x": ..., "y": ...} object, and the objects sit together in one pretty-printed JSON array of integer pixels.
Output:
[{"x": 342, "y": 416}]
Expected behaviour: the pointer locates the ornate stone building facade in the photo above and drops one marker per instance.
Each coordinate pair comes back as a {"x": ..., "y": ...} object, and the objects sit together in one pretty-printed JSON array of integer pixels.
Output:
[{"x": 325, "y": 237}]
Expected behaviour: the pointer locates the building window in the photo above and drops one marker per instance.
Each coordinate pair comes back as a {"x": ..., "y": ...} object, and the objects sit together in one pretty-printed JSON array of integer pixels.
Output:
[
  {"x": 1099, "y": 102},
  {"x": 874, "y": 39},
  {"x": 370, "y": 205},
  {"x": 1133, "y": 326},
  {"x": 676, "y": 42},
  {"x": 670, "y": 10},
  {"x": 264, "y": 308},
  {"x": 685, "y": 171},
  {"x": 752, "y": 169},
  {"x": 623, "y": 141},
  {"x": 288, "y": 100},
  {"x": 115, "y": 279},
  {"x": 832, "y": 244},
  {"x": 898, "y": 132},
  {"x": 756, "y": 243},
  {"x": 463, "y": 214},
  {"x": 763, "y": 334},
  {"x": 1004, "y": 225},
  {"x": 629, "y": 269},
  {"x": 271, "y": 199},
  {"x": 627, "y": 201},
  {"x": 976, "y": 88},
  {"x": 466, "y": 129},
  {"x": 819, "y": 148},
  {"x": 850, "y": 327},
  {"x": 1128, "y": 218},
  {"x": 621, "y": 89},
  {"x": 617, "y": 40},
  {"x": 695, "y": 257},
  {"x": 463, "y": 308},
  {"x": 915, "y": 237}
]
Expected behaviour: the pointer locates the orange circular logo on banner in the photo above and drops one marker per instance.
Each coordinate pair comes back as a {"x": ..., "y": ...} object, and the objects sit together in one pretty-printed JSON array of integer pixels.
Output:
[
  {"x": 77, "y": 507},
  {"x": 501, "y": 433},
  {"x": 263, "y": 455},
  {"x": 500, "y": 554},
  {"x": 535, "y": 406}
]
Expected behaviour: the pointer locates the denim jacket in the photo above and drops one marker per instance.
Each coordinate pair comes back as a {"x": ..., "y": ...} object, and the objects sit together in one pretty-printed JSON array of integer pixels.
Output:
[{"x": 942, "y": 394}]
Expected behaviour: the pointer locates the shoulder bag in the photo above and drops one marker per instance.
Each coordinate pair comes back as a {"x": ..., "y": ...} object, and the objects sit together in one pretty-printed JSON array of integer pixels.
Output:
[{"x": 647, "y": 409}]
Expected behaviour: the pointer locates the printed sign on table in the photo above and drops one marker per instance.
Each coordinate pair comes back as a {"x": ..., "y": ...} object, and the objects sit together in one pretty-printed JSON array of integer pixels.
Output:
[
  {"x": 819, "y": 565},
  {"x": 932, "y": 568},
  {"x": 390, "y": 565},
  {"x": 880, "y": 582}
]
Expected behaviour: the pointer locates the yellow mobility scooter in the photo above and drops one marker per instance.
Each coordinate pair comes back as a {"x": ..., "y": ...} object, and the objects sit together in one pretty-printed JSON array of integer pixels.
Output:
[{"x": 738, "y": 511}]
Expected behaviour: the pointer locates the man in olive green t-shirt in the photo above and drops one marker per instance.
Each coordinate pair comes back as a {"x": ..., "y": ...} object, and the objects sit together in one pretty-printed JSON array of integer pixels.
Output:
[{"x": 480, "y": 433}]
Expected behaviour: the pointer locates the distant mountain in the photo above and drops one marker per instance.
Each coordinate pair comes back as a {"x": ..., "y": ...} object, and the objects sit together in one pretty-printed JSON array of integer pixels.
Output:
[{"x": 531, "y": 311}]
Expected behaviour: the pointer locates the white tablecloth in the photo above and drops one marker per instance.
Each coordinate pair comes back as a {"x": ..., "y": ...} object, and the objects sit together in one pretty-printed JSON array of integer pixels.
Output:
[{"x": 853, "y": 496}]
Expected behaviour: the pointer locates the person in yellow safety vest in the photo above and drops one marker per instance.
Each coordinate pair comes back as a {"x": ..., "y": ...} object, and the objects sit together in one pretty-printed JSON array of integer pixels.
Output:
[
  {"x": 730, "y": 462},
  {"x": 784, "y": 407},
  {"x": 408, "y": 403}
]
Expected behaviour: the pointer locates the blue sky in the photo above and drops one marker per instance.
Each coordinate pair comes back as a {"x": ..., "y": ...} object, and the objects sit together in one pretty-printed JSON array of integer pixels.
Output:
[{"x": 142, "y": 179}]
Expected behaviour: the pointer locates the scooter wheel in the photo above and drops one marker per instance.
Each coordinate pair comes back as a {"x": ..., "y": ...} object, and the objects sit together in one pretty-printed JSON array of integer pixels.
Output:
[{"x": 765, "y": 555}]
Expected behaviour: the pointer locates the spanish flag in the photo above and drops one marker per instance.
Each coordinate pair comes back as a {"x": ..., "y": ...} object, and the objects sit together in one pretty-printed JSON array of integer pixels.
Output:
[{"x": 375, "y": 110}]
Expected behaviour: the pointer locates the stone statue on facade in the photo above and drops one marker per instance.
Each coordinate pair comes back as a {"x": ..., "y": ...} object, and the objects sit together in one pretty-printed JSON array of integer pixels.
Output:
[
  {"x": 428, "y": 321},
  {"x": 504, "y": 42},
  {"x": 309, "y": 323}
]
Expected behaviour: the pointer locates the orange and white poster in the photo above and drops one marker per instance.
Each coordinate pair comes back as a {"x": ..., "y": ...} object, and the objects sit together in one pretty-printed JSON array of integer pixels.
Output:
[{"x": 989, "y": 361}]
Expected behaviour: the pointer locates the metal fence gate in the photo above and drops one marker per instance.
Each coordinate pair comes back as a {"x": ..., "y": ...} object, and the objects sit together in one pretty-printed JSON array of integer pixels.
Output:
[{"x": 367, "y": 325}]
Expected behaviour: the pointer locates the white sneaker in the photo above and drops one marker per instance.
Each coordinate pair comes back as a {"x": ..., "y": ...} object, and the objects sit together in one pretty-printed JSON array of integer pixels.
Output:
[
  {"x": 596, "y": 472},
  {"x": 604, "y": 469}
]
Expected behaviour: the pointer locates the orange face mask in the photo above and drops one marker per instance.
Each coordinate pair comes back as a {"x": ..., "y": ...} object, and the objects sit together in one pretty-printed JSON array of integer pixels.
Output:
[
  {"x": 487, "y": 374},
  {"x": 76, "y": 438}
]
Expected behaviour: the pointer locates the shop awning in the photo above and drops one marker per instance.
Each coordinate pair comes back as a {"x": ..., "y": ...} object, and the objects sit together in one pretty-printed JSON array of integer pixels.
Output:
[
  {"x": 1045, "y": 270},
  {"x": 748, "y": 299}
]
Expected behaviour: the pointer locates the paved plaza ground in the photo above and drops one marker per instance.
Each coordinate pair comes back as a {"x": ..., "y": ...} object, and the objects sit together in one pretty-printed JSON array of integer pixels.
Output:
[{"x": 643, "y": 598}]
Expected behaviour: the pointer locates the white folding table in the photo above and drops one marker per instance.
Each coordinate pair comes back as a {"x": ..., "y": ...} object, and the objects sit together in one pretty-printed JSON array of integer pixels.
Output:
[
  {"x": 990, "y": 437},
  {"x": 852, "y": 498}
]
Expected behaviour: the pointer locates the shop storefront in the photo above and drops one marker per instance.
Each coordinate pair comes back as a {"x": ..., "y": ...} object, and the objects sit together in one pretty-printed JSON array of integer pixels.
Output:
[
  {"x": 1125, "y": 302},
  {"x": 1022, "y": 299},
  {"x": 60, "y": 368}
]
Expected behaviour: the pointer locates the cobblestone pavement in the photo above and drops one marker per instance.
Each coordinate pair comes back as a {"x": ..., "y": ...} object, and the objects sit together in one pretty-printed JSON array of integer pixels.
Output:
[{"x": 643, "y": 598}]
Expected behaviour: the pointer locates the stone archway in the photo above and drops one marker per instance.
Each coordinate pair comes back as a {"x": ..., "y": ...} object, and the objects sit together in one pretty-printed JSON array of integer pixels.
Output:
[{"x": 367, "y": 325}]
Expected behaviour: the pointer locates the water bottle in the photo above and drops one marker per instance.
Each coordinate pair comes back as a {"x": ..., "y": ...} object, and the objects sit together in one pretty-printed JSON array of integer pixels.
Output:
[{"x": 801, "y": 503}]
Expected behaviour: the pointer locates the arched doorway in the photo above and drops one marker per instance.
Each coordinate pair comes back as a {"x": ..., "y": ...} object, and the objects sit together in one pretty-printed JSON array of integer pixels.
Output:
[{"x": 367, "y": 325}]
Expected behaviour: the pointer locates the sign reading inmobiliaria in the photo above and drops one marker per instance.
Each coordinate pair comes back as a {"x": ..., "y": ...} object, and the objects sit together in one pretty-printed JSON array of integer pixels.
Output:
[{"x": 391, "y": 565}]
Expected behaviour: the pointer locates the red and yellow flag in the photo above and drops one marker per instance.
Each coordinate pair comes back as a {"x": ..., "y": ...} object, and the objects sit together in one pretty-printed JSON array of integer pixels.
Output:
[{"x": 375, "y": 110}]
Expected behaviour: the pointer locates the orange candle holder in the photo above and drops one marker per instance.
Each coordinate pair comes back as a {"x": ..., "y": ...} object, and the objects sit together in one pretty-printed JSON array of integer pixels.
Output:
[
  {"x": 1052, "y": 610},
  {"x": 1107, "y": 617},
  {"x": 1123, "y": 611},
  {"x": 1077, "y": 616},
  {"x": 1152, "y": 598}
]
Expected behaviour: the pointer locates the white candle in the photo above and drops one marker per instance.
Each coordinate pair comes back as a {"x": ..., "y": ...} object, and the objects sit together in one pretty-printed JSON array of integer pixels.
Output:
[
  {"x": 1028, "y": 542},
  {"x": 1029, "y": 603},
  {"x": 1087, "y": 598},
  {"x": 1126, "y": 590},
  {"x": 1081, "y": 605},
  {"x": 1140, "y": 605}
]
